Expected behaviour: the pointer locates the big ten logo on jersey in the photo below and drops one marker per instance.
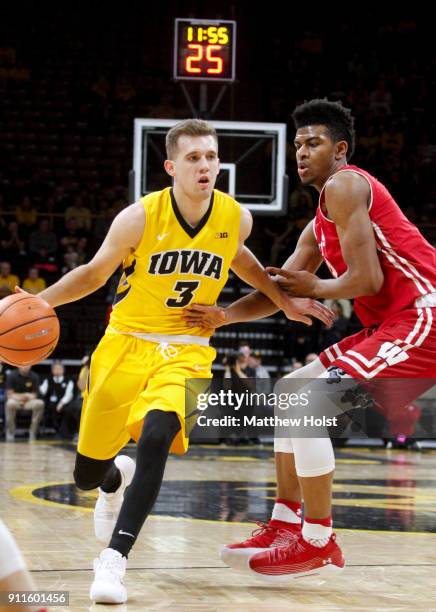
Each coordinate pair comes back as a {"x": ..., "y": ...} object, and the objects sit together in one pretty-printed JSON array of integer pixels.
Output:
[
  {"x": 392, "y": 353},
  {"x": 187, "y": 261}
]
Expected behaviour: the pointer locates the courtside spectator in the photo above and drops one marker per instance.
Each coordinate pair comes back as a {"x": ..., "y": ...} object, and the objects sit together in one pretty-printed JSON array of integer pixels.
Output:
[
  {"x": 43, "y": 242},
  {"x": 13, "y": 244},
  {"x": 80, "y": 213},
  {"x": 58, "y": 391},
  {"x": 33, "y": 283},
  {"x": 72, "y": 234},
  {"x": 8, "y": 281},
  {"x": 25, "y": 213},
  {"x": 22, "y": 386}
]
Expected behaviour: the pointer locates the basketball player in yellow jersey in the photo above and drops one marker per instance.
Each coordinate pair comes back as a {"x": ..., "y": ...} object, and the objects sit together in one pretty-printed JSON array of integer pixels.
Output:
[{"x": 177, "y": 246}]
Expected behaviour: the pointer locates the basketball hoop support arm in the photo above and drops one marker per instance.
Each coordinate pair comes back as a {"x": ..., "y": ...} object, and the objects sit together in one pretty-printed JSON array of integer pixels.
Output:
[{"x": 202, "y": 111}]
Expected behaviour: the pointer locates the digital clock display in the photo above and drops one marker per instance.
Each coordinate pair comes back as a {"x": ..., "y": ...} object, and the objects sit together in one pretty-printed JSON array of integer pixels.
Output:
[{"x": 204, "y": 50}]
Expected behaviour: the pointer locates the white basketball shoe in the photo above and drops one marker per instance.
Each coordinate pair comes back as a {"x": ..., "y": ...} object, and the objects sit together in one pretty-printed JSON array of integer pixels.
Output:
[
  {"x": 108, "y": 505},
  {"x": 109, "y": 570}
]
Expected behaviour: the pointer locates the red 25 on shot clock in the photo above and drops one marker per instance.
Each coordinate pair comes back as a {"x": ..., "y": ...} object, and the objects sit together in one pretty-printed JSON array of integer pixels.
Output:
[{"x": 204, "y": 50}]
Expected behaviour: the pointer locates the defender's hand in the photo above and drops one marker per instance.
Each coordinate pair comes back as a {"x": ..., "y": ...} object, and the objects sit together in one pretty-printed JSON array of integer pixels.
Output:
[
  {"x": 200, "y": 315},
  {"x": 299, "y": 309},
  {"x": 298, "y": 284}
]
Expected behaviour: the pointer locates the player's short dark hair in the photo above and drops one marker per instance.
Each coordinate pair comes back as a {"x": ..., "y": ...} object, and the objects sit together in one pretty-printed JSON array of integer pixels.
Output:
[
  {"x": 338, "y": 120},
  {"x": 188, "y": 127}
]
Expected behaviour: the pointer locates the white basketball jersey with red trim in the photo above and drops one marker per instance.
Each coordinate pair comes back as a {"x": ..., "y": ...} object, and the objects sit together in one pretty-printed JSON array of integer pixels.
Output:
[{"x": 408, "y": 261}]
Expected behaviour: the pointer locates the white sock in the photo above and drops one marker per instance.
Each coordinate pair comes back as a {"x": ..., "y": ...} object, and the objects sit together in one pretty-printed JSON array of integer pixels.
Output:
[
  {"x": 281, "y": 512},
  {"x": 316, "y": 534}
]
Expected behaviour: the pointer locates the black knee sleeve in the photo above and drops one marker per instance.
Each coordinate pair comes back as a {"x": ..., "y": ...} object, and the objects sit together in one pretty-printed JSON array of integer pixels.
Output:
[
  {"x": 158, "y": 431},
  {"x": 90, "y": 473}
]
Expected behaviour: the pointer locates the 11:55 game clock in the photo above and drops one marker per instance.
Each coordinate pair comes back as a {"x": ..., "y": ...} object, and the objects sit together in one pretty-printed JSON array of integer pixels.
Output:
[{"x": 204, "y": 50}]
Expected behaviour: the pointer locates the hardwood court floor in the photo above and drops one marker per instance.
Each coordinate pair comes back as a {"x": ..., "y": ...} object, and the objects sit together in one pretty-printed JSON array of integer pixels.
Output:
[{"x": 175, "y": 566}]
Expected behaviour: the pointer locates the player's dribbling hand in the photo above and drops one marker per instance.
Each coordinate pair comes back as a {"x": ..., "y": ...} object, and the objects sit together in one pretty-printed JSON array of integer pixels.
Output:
[
  {"x": 300, "y": 309},
  {"x": 200, "y": 315},
  {"x": 19, "y": 290}
]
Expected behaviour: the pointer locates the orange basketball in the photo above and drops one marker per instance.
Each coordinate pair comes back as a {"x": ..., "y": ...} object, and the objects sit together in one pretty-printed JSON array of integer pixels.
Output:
[{"x": 29, "y": 329}]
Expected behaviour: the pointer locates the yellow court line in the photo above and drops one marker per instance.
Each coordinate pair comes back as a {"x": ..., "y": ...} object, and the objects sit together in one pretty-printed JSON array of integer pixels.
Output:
[{"x": 25, "y": 493}]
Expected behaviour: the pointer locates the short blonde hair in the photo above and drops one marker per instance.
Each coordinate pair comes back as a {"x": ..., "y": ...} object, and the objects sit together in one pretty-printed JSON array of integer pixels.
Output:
[{"x": 188, "y": 127}]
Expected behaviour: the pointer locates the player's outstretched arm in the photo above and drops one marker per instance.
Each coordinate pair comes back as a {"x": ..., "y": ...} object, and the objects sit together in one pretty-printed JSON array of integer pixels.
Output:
[
  {"x": 249, "y": 269},
  {"x": 347, "y": 196},
  {"x": 257, "y": 305},
  {"x": 296, "y": 309},
  {"x": 123, "y": 237}
]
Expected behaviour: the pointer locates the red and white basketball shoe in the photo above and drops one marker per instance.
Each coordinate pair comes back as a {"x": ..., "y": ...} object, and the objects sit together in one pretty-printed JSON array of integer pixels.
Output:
[
  {"x": 268, "y": 535},
  {"x": 280, "y": 565}
]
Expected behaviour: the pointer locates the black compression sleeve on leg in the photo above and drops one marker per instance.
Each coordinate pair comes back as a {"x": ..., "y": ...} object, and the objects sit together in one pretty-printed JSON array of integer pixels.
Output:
[
  {"x": 112, "y": 480},
  {"x": 92, "y": 473},
  {"x": 158, "y": 432}
]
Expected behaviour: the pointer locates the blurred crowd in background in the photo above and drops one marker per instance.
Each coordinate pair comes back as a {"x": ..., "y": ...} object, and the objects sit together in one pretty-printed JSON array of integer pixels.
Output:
[{"x": 72, "y": 81}]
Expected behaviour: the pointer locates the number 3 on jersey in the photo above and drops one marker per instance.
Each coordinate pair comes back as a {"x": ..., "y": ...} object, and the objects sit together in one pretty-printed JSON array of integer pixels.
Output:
[{"x": 186, "y": 293}]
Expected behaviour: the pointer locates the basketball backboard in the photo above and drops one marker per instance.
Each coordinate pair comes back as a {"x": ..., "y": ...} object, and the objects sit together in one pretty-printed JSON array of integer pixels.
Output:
[{"x": 252, "y": 159}]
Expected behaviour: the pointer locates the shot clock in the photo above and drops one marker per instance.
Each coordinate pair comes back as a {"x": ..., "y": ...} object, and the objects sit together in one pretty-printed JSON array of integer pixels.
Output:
[{"x": 204, "y": 50}]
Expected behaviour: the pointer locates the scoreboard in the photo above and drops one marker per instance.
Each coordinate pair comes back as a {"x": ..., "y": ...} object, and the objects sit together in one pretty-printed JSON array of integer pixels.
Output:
[{"x": 204, "y": 50}]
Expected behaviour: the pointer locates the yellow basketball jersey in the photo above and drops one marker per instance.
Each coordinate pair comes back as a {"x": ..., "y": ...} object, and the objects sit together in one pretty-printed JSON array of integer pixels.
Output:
[{"x": 176, "y": 265}]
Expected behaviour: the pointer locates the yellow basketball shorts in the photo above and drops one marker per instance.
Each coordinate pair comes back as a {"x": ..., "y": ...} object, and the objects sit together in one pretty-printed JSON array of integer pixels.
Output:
[{"x": 130, "y": 376}]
